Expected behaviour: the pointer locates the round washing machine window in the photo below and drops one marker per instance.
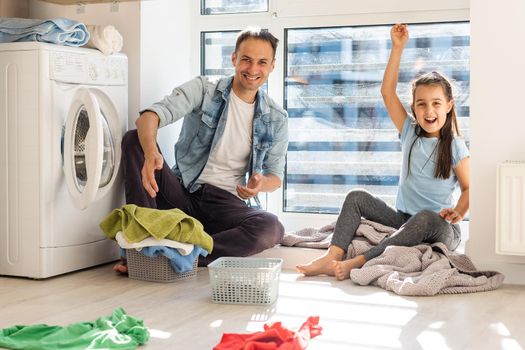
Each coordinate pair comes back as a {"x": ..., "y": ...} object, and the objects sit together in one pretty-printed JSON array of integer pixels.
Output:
[
  {"x": 80, "y": 132},
  {"x": 91, "y": 146},
  {"x": 83, "y": 149}
]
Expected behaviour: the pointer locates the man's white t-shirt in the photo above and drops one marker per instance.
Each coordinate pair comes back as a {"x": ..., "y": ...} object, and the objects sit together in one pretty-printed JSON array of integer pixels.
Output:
[{"x": 227, "y": 163}]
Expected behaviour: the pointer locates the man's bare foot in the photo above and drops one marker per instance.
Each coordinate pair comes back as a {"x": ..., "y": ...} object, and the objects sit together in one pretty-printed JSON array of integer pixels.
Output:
[
  {"x": 342, "y": 268},
  {"x": 323, "y": 264},
  {"x": 121, "y": 267}
]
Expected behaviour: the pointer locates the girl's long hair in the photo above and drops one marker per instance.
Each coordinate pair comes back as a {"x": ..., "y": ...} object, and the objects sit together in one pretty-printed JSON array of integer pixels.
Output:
[{"x": 446, "y": 133}]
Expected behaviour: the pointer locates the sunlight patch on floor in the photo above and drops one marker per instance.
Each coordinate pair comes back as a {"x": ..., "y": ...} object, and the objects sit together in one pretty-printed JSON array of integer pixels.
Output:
[
  {"x": 350, "y": 315},
  {"x": 501, "y": 329},
  {"x": 431, "y": 339},
  {"x": 155, "y": 333},
  {"x": 510, "y": 344},
  {"x": 216, "y": 324}
]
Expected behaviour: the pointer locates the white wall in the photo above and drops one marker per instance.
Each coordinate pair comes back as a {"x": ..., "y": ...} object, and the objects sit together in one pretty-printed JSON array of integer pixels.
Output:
[
  {"x": 497, "y": 121},
  {"x": 165, "y": 58}
]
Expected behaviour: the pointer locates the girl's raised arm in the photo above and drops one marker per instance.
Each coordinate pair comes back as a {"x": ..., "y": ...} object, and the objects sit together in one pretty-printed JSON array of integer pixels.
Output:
[{"x": 394, "y": 107}]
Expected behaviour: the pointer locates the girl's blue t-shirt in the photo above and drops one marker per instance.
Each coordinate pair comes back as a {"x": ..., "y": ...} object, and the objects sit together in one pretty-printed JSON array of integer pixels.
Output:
[{"x": 420, "y": 189}]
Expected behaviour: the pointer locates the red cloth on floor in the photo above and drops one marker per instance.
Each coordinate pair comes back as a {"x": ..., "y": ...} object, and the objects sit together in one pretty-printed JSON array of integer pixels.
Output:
[{"x": 274, "y": 336}]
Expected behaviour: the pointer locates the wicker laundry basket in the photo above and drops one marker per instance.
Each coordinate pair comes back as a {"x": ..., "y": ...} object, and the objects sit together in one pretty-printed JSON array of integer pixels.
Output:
[{"x": 157, "y": 269}]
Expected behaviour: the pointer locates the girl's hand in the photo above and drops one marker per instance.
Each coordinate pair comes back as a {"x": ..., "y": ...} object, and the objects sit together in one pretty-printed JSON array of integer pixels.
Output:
[
  {"x": 451, "y": 215},
  {"x": 399, "y": 34}
]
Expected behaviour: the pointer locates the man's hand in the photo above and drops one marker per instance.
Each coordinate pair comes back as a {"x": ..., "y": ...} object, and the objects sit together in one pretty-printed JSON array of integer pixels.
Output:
[
  {"x": 254, "y": 186},
  {"x": 451, "y": 215},
  {"x": 152, "y": 162}
]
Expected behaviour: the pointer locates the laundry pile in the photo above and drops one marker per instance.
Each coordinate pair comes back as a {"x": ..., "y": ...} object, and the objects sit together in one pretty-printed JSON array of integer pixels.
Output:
[
  {"x": 421, "y": 270},
  {"x": 170, "y": 233},
  {"x": 61, "y": 31}
]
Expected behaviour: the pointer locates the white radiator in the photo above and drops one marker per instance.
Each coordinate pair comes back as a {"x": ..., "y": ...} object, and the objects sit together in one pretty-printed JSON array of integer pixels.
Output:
[{"x": 510, "y": 209}]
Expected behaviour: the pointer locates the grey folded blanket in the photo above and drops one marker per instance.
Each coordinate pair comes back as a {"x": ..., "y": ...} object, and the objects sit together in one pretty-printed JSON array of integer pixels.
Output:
[
  {"x": 420, "y": 270},
  {"x": 368, "y": 233},
  {"x": 425, "y": 270}
]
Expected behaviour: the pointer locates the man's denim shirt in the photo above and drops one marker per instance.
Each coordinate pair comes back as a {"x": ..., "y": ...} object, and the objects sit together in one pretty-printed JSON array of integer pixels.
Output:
[{"x": 204, "y": 107}]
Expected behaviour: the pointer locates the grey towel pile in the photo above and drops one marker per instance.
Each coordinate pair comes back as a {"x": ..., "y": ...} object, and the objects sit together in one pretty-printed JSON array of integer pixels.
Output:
[
  {"x": 421, "y": 270},
  {"x": 425, "y": 270}
]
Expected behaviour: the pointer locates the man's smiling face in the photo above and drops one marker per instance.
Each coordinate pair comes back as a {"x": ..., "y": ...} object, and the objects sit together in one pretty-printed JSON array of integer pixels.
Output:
[{"x": 253, "y": 64}]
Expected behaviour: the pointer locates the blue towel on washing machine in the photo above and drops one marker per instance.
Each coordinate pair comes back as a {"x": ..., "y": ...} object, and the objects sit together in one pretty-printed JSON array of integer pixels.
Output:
[{"x": 60, "y": 31}]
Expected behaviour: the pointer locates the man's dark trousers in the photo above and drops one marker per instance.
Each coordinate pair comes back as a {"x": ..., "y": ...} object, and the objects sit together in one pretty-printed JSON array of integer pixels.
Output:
[{"x": 237, "y": 229}]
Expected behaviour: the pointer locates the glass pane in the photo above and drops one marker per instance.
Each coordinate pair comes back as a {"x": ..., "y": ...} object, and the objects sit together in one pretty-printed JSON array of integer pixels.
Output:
[
  {"x": 341, "y": 136},
  {"x": 213, "y": 7},
  {"x": 217, "y": 49}
]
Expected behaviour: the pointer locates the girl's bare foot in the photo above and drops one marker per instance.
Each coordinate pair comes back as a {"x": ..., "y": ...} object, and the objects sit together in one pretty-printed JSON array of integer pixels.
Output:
[
  {"x": 319, "y": 266},
  {"x": 342, "y": 268},
  {"x": 323, "y": 264},
  {"x": 121, "y": 267}
]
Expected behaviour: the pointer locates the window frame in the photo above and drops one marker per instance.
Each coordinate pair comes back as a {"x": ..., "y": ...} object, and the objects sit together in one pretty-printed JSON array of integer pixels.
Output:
[
  {"x": 202, "y": 12},
  {"x": 284, "y": 104},
  {"x": 420, "y": 13}
]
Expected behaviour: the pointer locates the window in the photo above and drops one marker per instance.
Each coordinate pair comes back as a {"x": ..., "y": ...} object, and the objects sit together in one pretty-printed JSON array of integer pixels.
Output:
[
  {"x": 341, "y": 136},
  {"x": 212, "y": 7},
  {"x": 217, "y": 48}
]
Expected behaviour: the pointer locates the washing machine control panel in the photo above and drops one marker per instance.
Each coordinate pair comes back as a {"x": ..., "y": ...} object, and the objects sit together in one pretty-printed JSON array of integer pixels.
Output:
[{"x": 88, "y": 67}]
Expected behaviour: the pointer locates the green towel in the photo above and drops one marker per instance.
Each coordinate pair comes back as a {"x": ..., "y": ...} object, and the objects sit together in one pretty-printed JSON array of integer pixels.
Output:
[
  {"x": 137, "y": 223},
  {"x": 118, "y": 331}
]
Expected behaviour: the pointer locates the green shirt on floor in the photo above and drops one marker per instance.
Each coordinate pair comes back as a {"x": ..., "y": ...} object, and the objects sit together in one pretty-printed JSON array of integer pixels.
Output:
[{"x": 118, "y": 331}]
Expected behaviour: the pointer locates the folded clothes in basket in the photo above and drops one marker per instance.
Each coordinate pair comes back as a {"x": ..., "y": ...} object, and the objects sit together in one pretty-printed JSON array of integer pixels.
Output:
[
  {"x": 182, "y": 248},
  {"x": 138, "y": 223},
  {"x": 60, "y": 31},
  {"x": 178, "y": 262}
]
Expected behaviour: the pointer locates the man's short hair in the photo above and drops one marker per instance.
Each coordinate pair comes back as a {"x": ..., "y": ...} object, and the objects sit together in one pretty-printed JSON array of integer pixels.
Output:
[{"x": 257, "y": 33}]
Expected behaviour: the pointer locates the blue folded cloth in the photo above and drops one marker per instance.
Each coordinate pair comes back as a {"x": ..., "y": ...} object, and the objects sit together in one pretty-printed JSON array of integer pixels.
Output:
[
  {"x": 60, "y": 31},
  {"x": 179, "y": 263}
]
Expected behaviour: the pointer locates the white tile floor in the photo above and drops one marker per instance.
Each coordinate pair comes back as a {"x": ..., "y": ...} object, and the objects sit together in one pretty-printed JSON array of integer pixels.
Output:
[{"x": 181, "y": 315}]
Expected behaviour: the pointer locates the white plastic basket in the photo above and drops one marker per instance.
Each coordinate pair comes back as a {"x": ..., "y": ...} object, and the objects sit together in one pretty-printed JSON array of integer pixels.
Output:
[
  {"x": 157, "y": 269},
  {"x": 245, "y": 280}
]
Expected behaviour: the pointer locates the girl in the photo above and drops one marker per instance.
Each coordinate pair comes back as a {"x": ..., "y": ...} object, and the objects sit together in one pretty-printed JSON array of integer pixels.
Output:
[{"x": 434, "y": 162}]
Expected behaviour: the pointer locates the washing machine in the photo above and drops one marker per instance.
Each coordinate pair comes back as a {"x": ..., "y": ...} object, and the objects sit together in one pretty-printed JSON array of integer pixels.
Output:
[{"x": 63, "y": 112}]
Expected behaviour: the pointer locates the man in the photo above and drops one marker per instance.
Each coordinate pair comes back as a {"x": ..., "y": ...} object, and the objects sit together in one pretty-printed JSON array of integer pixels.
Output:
[{"x": 230, "y": 128}]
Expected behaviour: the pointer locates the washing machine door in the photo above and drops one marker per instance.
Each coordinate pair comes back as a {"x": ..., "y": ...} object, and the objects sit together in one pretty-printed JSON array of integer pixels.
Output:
[{"x": 84, "y": 138}]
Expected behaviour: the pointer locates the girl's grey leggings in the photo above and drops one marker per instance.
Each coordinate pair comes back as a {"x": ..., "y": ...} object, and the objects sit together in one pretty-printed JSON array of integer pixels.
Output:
[{"x": 423, "y": 227}]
